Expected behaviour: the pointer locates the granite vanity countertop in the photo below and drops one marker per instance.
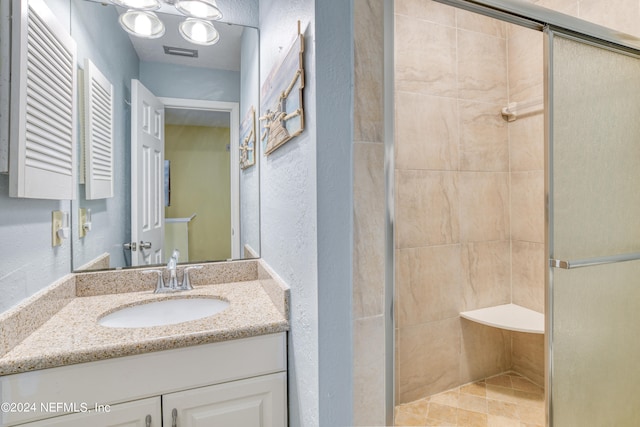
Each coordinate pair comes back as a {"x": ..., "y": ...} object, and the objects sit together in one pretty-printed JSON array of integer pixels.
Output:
[{"x": 73, "y": 335}]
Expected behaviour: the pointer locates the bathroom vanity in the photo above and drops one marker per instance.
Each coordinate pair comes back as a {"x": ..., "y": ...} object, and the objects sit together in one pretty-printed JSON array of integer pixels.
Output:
[
  {"x": 225, "y": 369},
  {"x": 238, "y": 382}
]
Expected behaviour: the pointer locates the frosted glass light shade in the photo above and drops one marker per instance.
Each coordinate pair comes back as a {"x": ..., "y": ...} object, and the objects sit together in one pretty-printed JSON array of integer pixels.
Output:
[
  {"x": 199, "y": 31},
  {"x": 138, "y": 4},
  {"x": 143, "y": 24},
  {"x": 203, "y": 9}
]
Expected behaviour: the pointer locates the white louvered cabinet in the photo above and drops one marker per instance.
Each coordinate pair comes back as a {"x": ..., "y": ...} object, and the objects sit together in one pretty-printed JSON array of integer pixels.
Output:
[
  {"x": 42, "y": 149},
  {"x": 98, "y": 133}
]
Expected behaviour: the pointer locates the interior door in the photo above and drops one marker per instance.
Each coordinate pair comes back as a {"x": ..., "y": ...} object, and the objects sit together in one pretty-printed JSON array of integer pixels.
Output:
[
  {"x": 147, "y": 176},
  {"x": 593, "y": 189}
]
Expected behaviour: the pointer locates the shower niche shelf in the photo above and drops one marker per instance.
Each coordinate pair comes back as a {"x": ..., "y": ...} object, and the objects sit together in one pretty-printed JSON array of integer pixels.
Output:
[{"x": 511, "y": 317}]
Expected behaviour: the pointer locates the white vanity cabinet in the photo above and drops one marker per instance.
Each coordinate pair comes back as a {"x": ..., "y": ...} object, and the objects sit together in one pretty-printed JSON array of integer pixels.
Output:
[
  {"x": 255, "y": 402},
  {"x": 239, "y": 382}
]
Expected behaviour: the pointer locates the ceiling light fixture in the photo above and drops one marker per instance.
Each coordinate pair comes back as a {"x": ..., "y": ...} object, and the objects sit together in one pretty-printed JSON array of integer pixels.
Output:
[
  {"x": 199, "y": 31},
  {"x": 138, "y": 4},
  {"x": 203, "y": 9},
  {"x": 140, "y": 21}
]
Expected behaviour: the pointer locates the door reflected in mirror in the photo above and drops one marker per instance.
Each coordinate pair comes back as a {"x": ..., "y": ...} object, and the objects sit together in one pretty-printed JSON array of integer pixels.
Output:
[{"x": 204, "y": 205}]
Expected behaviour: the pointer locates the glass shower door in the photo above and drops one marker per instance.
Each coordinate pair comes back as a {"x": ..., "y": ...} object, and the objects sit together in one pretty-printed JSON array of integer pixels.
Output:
[{"x": 593, "y": 189}]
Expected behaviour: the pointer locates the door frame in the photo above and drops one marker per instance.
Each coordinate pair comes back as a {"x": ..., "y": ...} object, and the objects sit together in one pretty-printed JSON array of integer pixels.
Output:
[{"x": 233, "y": 108}]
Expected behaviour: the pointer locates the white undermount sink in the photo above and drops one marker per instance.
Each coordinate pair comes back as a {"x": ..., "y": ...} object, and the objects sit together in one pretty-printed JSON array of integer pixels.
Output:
[{"x": 163, "y": 312}]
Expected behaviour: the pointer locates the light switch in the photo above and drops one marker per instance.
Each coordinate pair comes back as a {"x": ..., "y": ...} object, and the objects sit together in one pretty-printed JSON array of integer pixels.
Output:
[{"x": 59, "y": 227}]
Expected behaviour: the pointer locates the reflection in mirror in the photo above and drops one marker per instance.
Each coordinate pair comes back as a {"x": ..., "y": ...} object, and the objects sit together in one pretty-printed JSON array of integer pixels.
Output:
[{"x": 211, "y": 210}]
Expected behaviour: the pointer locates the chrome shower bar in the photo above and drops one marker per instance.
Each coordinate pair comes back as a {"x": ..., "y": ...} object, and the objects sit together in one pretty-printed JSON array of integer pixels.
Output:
[{"x": 588, "y": 262}]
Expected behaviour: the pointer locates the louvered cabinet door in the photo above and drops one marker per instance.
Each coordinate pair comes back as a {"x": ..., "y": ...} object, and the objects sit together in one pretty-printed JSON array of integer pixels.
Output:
[
  {"x": 98, "y": 133},
  {"x": 42, "y": 151}
]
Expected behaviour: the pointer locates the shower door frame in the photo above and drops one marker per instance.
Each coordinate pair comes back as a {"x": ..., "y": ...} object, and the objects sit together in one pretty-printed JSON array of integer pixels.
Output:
[{"x": 519, "y": 13}]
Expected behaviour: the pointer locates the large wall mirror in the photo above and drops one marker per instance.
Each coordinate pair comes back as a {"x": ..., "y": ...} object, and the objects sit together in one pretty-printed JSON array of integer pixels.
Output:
[{"x": 209, "y": 203}]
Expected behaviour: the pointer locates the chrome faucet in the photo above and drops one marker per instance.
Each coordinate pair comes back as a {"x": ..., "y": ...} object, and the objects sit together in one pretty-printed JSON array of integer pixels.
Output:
[
  {"x": 173, "y": 285},
  {"x": 172, "y": 266}
]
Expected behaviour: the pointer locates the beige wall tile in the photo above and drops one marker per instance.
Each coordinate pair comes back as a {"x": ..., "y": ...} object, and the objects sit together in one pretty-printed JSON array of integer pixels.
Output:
[
  {"x": 425, "y": 56},
  {"x": 529, "y": 268},
  {"x": 484, "y": 137},
  {"x": 369, "y": 229},
  {"x": 486, "y": 351},
  {"x": 527, "y": 206},
  {"x": 528, "y": 355},
  {"x": 484, "y": 206},
  {"x": 427, "y": 208},
  {"x": 369, "y": 209},
  {"x": 402, "y": 280},
  {"x": 526, "y": 73},
  {"x": 433, "y": 291},
  {"x": 427, "y": 10},
  {"x": 481, "y": 79},
  {"x": 369, "y": 367},
  {"x": 426, "y": 132},
  {"x": 368, "y": 123},
  {"x": 428, "y": 359},
  {"x": 569, "y": 7},
  {"x": 621, "y": 15},
  {"x": 526, "y": 140},
  {"x": 481, "y": 24},
  {"x": 487, "y": 274}
]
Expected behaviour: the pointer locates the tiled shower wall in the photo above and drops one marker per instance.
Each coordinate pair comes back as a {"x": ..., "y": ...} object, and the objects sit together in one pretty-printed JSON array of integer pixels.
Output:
[
  {"x": 452, "y": 196},
  {"x": 485, "y": 161},
  {"x": 369, "y": 216},
  {"x": 526, "y": 138}
]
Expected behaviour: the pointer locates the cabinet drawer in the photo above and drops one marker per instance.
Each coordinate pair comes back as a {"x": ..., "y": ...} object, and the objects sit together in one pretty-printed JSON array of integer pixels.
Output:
[{"x": 141, "y": 413}]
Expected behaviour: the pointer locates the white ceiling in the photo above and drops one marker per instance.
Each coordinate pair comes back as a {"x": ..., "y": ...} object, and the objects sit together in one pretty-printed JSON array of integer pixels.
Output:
[{"x": 224, "y": 55}]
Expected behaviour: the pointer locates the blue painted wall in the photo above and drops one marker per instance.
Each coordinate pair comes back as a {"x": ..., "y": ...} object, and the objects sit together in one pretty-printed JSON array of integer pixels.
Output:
[
  {"x": 176, "y": 81},
  {"x": 118, "y": 61},
  {"x": 307, "y": 208},
  {"x": 250, "y": 177},
  {"x": 29, "y": 262}
]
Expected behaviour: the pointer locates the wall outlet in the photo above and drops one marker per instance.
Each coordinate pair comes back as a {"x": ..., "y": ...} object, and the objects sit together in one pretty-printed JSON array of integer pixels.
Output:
[{"x": 82, "y": 220}]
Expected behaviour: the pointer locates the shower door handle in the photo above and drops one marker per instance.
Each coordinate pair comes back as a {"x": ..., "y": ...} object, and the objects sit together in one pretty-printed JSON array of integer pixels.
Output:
[{"x": 588, "y": 262}]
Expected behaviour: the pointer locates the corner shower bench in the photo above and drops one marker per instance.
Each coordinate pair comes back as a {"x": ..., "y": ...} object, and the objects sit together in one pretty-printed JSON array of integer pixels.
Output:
[{"x": 508, "y": 316}]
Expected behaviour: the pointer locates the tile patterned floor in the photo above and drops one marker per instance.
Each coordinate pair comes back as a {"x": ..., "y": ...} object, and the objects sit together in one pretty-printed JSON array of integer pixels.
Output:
[{"x": 506, "y": 400}]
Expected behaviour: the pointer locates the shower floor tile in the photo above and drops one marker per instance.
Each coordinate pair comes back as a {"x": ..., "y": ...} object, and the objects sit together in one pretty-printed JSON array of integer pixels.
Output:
[{"x": 506, "y": 400}]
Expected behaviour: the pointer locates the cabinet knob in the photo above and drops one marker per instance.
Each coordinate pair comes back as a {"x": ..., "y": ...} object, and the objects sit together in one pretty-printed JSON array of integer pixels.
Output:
[
  {"x": 174, "y": 418},
  {"x": 147, "y": 421}
]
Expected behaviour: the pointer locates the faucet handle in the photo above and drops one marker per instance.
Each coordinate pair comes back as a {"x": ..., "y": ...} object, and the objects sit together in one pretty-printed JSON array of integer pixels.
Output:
[
  {"x": 176, "y": 255},
  {"x": 160, "y": 283},
  {"x": 186, "y": 282}
]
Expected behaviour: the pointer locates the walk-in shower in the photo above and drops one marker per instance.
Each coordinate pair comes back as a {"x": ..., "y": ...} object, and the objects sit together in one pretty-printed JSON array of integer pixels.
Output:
[{"x": 515, "y": 161}]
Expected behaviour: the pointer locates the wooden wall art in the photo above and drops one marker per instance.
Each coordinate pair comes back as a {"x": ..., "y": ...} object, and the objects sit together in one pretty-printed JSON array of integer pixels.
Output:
[
  {"x": 248, "y": 139},
  {"x": 281, "y": 100}
]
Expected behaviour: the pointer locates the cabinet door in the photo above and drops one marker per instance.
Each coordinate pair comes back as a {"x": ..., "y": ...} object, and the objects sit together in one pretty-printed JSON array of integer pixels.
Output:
[
  {"x": 259, "y": 402},
  {"x": 140, "y": 413}
]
